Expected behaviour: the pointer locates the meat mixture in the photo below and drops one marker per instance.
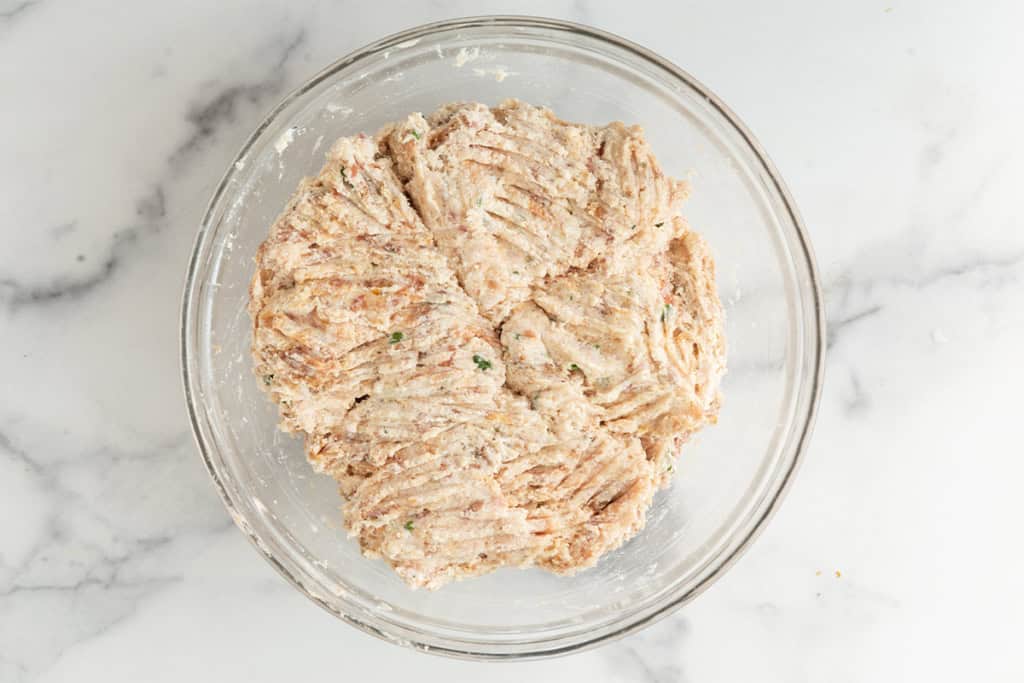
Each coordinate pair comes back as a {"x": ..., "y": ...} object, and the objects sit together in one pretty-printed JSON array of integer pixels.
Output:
[{"x": 494, "y": 329}]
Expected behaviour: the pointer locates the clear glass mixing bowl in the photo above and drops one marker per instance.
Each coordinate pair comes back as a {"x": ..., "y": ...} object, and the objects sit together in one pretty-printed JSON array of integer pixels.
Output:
[{"x": 730, "y": 477}]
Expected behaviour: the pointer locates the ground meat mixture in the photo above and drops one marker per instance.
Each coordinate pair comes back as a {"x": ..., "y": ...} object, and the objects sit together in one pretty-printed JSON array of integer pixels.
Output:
[{"x": 495, "y": 331}]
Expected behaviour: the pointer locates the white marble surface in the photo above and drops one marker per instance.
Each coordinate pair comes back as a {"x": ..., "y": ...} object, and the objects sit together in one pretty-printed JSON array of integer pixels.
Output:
[{"x": 897, "y": 126}]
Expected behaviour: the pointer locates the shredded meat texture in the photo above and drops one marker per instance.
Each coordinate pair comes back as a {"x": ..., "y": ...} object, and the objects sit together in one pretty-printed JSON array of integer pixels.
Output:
[{"x": 495, "y": 331}]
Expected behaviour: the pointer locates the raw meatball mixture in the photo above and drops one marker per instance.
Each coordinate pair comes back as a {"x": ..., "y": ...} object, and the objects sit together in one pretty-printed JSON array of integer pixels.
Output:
[{"x": 495, "y": 331}]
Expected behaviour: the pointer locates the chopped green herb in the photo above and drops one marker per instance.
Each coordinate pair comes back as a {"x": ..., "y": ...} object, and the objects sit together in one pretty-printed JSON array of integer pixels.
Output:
[
  {"x": 633, "y": 227},
  {"x": 396, "y": 337},
  {"x": 481, "y": 362},
  {"x": 268, "y": 379},
  {"x": 666, "y": 312},
  {"x": 669, "y": 468},
  {"x": 518, "y": 336},
  {"x": 658, "y": 225},
  {"x": 597, "y": 346},
  {"x": 409, "y": 526},
  {"x": 415, "y": 134},
  {"x": 344, "y": 178},
  {"x": 573, "y": 367},
  {"x": 515, "y": 272},
  {"x": 479, "y": 201}
]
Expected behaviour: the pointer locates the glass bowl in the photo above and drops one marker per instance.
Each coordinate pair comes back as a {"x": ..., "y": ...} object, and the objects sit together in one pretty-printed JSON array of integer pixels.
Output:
[{"x": 730, "y": 477}]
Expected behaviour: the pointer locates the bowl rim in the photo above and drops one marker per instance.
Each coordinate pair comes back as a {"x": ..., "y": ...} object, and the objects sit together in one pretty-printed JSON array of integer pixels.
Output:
[{"x": 818, "y": 335}]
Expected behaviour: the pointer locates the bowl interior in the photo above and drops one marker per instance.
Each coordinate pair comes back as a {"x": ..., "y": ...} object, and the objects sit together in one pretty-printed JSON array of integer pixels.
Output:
[{"x": 728, "y": 476}]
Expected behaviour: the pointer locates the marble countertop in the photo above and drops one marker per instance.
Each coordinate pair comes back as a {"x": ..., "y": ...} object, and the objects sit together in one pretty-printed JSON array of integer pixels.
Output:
[{"x": 897, "y": 127}]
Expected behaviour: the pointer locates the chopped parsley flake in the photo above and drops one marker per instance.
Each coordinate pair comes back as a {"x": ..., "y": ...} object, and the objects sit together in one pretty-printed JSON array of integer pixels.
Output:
[
  {"x": 633, "y": 227},
  {"x": 344, "y": 178},
  {"x": 518, "y": 336},
  {"x": 268, "y": 379},
  {"x": 395, "y": 337},
  {"x": 658, "y": 225},
  {"x": 481, "y": 362},
  {"x": 666, "y": 312},
  {"x": 415, "y": 134},
  {"x": 573, "y": 367},
  {"x": 409, "y": 526}
]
